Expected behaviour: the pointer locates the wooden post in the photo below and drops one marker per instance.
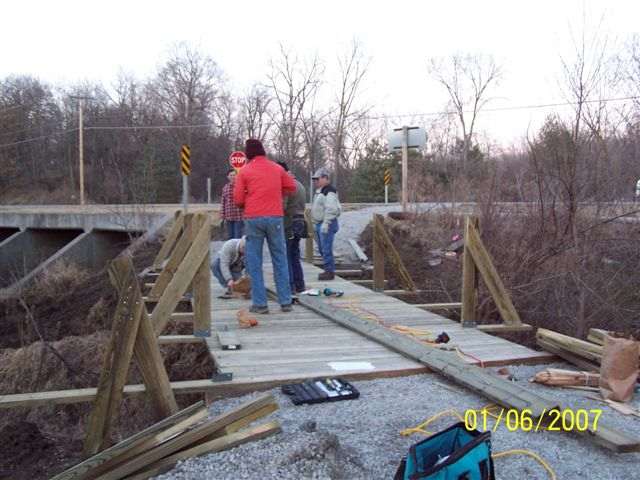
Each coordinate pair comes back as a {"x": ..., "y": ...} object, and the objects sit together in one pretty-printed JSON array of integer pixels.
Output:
[
  {"x": 183, "y": 245},
  {"x": 378, "y": 257},
  {"x": 169, "y": 241},
  {"x": 308, "y": 242},
  {"x": 491, "y": 278},
  {"x": 202, "y": 288},
  {"x": 117, "y": 358},
  {"x": 469, "y": 280},
  {"x": 384, "y": 241}
]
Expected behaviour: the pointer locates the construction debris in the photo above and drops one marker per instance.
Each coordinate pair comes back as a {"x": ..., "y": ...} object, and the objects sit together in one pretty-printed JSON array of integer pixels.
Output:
[
  {"x": 584, "y": 355},
  {"x": 183, "y": 435},
  {"x": 566, "y": 378},
  {"x": 245, "y": 320}
]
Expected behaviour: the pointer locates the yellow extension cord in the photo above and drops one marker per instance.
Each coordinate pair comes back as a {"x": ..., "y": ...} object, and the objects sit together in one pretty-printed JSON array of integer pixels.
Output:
[
  {"x": 421, "y": 429},
  {"x": 418, "y": 333}
]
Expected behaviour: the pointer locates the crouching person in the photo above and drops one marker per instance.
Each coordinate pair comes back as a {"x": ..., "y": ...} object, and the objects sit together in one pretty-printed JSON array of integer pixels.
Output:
[{"x": 228, "y": 265}]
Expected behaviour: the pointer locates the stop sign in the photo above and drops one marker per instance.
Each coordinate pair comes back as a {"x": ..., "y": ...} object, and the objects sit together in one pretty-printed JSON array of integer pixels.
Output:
[{"x": 237, "y": 160}]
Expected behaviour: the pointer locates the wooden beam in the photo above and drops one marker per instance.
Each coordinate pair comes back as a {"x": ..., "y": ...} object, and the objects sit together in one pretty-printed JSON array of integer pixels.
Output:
[
  {"x": 179, "y": 339},
  {"x": 182, "y": 278},
  {"x": 597, "y": 335},
  {"x": 202, "y": 289},
  {"x": 403, "y": 292},
  {"x": 392, "y": 254},
  {"x": 117, "y": 360},
  {"x": 188, "y": 438},
  {"x": 438, "y": 306},
  {"x": 587, "y": 350},
  {"x": 367, "y": 282},
  {"x": 169, "y": 241},
  {"x": 100, "y": 462},
  {"x": 177, "y": 255},
  {"x": 378, "y": 260},
  {"x": 490, "y": 275},
  {"x": 65, "y": 397},
  {"x": 568, "y": 356},
  {"x": 469, "y": 280},
  {"x": 358, "y": 251},
  {"x": 504, "y": 328},
  {"x": 218, "y": 445},
  {"x": 182, "y": 317},
  {"x": 501, "y": 391}
]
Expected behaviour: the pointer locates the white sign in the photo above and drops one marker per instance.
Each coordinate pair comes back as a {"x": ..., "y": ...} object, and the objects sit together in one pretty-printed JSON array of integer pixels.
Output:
[{"x": 417, "y": 138}]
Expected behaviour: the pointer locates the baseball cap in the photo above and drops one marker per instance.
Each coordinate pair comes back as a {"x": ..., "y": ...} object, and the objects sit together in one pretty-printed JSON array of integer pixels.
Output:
[{"x": 321, "y": 172}]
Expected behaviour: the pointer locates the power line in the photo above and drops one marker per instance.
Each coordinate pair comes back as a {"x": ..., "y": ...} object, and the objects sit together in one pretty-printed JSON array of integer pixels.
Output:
[
  {"x": 38, "y": 138},
  {"x": 151, "y": 127},
  {"x": 502, "y": 109}
]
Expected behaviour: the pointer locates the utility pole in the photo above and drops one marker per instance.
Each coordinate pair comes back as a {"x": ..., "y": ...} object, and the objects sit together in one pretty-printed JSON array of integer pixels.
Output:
[
  {"x": 81, "y": 100},
  {"x": 405, "y": 166}
]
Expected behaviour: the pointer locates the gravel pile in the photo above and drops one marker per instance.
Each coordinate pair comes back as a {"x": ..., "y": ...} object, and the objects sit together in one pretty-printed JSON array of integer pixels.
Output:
[{"x": 360, "y": 439}]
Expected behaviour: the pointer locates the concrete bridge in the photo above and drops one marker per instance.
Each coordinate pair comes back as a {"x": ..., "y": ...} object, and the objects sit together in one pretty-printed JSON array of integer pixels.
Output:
[{"x": 32, "y": 238}]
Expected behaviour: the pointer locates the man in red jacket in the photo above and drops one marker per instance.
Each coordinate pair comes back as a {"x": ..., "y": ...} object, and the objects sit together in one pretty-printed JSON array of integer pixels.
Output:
[{"x": 259, "y": 188}]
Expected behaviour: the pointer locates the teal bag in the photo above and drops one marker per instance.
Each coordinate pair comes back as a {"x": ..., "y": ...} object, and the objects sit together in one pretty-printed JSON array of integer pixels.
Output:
[{"x": 452, "y": 454}]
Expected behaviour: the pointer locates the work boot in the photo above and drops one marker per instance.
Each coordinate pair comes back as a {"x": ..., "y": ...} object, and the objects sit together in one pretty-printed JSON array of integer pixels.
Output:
[
  {"x": 286, "y": 308},
  {"x": 326, "y": 276},
  {"x": 256, "y": 309},
  {"x": 226, "y": 295}
]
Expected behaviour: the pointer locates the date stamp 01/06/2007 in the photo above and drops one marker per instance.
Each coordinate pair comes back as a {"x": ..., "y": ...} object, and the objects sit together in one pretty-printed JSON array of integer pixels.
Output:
[{"x": 556, "y": 420}]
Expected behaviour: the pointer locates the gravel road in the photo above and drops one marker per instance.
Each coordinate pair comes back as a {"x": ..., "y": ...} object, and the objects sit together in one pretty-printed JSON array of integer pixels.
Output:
[{"x": 360, "y": 439}]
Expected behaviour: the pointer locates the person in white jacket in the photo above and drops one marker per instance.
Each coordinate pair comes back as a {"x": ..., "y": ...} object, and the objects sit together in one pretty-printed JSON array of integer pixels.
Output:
[
  {"x": 325, "y": 211},
  {"x": 229, "y": 264}
]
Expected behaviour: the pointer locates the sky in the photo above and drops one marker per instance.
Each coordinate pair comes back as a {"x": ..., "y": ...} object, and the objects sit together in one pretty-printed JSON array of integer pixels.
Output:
[{"x": 70, "y": 41}]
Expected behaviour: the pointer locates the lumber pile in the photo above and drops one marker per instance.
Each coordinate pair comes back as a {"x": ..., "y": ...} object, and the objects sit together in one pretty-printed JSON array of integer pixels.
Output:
[
  {"x": 583, "y": 354},
  {"x": 566, "y": 378},
  {"x": 188, "y": 433}
]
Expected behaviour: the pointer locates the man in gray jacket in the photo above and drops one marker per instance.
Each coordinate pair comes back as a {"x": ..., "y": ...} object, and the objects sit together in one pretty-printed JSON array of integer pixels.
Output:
[
  {"x": 295, "y": 228},
  {"x": 229, "y": 264},
  {"x": 325, "y": 211}
]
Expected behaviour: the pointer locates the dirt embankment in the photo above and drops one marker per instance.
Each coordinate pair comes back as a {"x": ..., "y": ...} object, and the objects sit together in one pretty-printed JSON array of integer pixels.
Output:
[
  {"x": 553, "y": 284},
  {"x": 53, "y": 337}
]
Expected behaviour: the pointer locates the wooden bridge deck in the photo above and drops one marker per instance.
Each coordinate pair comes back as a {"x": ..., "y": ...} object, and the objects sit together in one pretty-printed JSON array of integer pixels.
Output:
[{"x": 303, "y": 344}]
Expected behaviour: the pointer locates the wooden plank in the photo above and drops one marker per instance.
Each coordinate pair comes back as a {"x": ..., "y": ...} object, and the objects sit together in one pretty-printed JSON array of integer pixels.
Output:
[
  {"x": 117, "y": 361},
  {"x": 63, "y": 397},
  {"x": 169, "y": 241},
  {"x": 568, "y": 356},
  {"x": 182, "y": 278},
  {"x": 358, "y": 251},
  {"x": 469, "y": 280},
  {"x": 597, "y": 335},
  {"x": 438, "y": 306},
  {"x": 177, "y": 255},
  {"x": 87, "y": 468},
  {"x": 587, "y": 350},
  {"x": 151, "y": 366},
  {"x": 392, "y": 254},
  {"x": 502, "y": 392},
  {"x": 491, "y": 278},
  {"x": 202, "y": 291},
  {"x": 504, "y": 328},
  {"x": 179, "y": 339},
  {"x": 446, "y": 363},
  {"x": 188, "y": 438},
  {"x": 212, "y": 446},
  {"x": 182, "y": 317}
]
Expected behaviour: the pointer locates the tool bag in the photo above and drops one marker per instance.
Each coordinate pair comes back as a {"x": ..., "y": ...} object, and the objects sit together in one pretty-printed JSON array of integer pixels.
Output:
[{"x": 452, "y": 454}]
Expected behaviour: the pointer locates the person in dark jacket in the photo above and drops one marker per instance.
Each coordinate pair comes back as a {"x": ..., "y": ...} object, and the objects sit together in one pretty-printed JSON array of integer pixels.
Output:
[{"x": 295, "y": 228}]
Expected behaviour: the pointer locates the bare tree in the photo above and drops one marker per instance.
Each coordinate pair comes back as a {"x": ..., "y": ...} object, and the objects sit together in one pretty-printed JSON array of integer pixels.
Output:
[
  {"x": 467, "y": 79},
  {"x": 353, "y": 66},
  {"x": 255, "y": 112},
  {"x": 294, "y": 83}
]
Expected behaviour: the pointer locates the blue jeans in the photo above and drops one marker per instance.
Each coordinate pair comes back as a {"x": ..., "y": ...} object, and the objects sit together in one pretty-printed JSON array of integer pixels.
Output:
[
  {"x": 325, "y": 244},
  {"x": 296, "y": 274},
  {"x": 257, "y": 230},
  {"x": 234, "y": 228},
  {"x": 217, "y": 272}
]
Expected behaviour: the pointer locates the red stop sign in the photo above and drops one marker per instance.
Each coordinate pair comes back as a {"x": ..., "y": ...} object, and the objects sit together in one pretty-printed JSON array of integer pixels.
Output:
[{"x": 237, "y": 160}]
